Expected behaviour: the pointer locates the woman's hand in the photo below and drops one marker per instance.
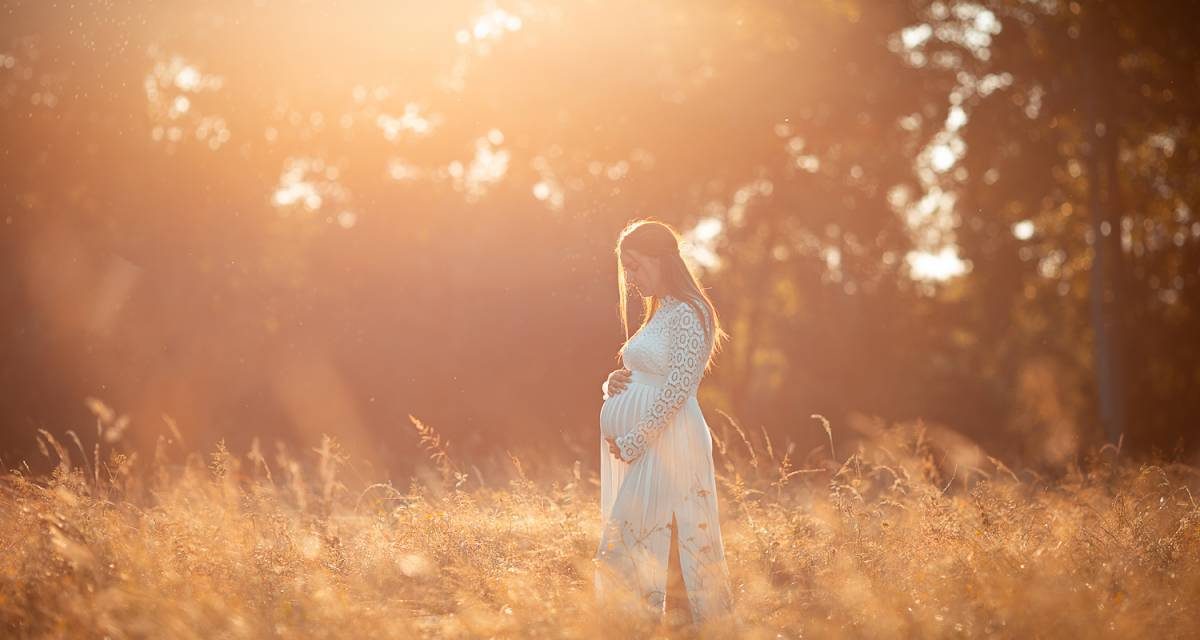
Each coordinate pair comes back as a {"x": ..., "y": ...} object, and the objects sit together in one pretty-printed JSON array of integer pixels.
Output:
[
  {"x": 616, "y": 382},
  {"x": 613, "y": 448}
]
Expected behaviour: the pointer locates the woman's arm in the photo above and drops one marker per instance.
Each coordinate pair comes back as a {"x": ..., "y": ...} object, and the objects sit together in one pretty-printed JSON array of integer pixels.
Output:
[
  {"x": 688, "y": 357},
  {"x": 615, "y": 383}
]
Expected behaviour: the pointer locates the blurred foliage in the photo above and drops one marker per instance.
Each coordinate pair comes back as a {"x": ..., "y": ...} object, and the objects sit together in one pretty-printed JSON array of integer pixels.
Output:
[{"x": 293, "y": 220}]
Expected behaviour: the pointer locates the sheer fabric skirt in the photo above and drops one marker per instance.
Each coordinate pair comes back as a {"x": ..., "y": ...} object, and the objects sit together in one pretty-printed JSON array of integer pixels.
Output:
[{"x": 674, "y": 477}]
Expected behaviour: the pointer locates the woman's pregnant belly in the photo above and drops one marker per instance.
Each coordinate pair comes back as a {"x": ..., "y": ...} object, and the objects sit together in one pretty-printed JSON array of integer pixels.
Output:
[{"x": 620, "y": 413}]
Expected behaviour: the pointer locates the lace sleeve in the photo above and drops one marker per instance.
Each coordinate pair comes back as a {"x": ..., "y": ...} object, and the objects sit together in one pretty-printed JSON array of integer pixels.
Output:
[{"x": 685, "y": 335}]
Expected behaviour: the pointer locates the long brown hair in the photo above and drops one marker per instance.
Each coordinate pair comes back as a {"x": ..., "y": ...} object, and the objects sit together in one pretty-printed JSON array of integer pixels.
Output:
[{"x": 660, "y": 241}]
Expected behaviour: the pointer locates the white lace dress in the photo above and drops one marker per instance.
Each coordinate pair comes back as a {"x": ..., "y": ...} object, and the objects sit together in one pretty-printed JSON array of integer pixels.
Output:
[{"x": 659, "y": 428}]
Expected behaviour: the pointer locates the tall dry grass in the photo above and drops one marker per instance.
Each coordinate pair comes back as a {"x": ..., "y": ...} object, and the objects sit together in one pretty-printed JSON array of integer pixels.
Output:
[{"x": 883, "y": 542}]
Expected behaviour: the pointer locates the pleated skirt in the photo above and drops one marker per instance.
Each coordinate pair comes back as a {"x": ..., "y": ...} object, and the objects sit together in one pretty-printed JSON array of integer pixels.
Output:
[{"x": 674, "y": 478}]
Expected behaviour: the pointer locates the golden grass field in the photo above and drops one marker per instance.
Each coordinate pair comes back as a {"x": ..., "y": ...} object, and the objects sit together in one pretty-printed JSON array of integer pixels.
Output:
[{"x": 880, "y": 542}]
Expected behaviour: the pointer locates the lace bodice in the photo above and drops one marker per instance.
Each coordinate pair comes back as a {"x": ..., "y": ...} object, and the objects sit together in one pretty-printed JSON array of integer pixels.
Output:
[{"x": 673, "y": 345}]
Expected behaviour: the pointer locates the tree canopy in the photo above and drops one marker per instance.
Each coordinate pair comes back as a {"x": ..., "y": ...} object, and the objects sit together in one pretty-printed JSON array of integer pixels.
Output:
[{"x": 292, "y": 220}]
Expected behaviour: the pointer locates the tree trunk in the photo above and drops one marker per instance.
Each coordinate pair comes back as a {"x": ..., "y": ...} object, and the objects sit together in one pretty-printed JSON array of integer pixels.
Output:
[{"x": 1098, "y": 64}]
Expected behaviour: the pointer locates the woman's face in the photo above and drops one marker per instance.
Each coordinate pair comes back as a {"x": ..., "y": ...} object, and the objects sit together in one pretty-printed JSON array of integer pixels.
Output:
[{"x": 642, "y": 271}]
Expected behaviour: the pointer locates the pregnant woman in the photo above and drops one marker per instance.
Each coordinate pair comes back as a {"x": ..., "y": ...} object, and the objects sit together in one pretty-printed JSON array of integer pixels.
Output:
[{"x": 658, "y": 499}]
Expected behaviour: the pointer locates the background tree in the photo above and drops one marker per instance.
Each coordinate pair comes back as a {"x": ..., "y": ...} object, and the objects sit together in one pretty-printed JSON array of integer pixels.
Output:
[{"x": 261, "y": 221}]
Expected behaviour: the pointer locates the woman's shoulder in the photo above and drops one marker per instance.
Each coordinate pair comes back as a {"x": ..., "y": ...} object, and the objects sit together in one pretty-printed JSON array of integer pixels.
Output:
[{"x": 686, "y": 311}]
